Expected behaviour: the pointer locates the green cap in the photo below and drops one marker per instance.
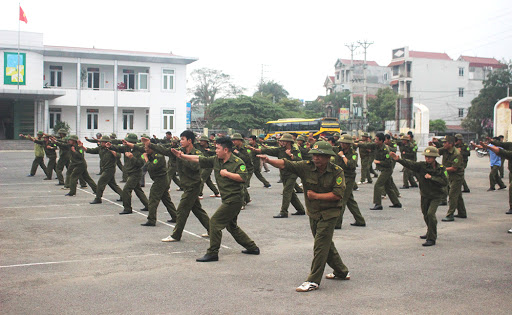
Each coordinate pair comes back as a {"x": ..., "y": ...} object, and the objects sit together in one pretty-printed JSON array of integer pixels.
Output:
[
  {"x": 236, "y": 136},
  {"x": 144, "y": 136},
  {"x": 459, "y": 136},
  {"x": 431, "y": 151},
  {"x": 73, "y": 137},
  {"x": 322, "y": 147},
  {"x": 203, "y": 138},
  {"x": 301, "y": 138},
  {"x": 287, "y": 137},
  {"x": 40, "y": 133},
  {"x": 131, "y": 137},
  {"x": 62, "y": 131},
  {"x": 336, "y": 134},
  {"x": 366, "y": 134},
  {"x": 405, "y": 138},
  {"x": 346, "y": 139},
  {"x": 104, "y": 139},
  {"x": 113, "y": 136}
]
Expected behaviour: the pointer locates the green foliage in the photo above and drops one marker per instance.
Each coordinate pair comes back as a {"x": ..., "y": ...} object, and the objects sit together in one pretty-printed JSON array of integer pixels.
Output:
[
  {"x": 272, "y": 91},
  {"x": 381, "y": 108},
  {"x": 480, "y": 114},
  {"x": 60, "y": 125},
  {"x": 437, "y": 125},
  {"x": 338, "y": 100}
]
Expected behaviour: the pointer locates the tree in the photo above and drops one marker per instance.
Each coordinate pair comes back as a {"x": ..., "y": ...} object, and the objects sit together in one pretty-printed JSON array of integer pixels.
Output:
[
  {"x": 60, "y": 125},
  {"x": 381, "y": 108},
  {"x": 271, "y": 90},
  {"x": 338, "y": 100},
  {"x": 437, "y": 125},
  {"x": 480, "y": 113}
]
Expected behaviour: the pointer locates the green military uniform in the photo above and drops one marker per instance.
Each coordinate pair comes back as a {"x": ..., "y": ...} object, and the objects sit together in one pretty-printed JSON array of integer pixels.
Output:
[
  {"x": 39, "y": 157},
  {"x": 323, "y": 214},
  {"x": 507, "y": 146},
  {"x": 393, "y": 147},
  {"x": 207, "y": 172},
  {"x": 431, "y": 189},
  {"x": 256, "y": 162},
  {"x": 157, "y": 170},
  {"x": 244, "y": 153},
  {"x": 453, "y": 158},
  {"x": 51, "y": 154},
  {"x": 289, "y": 178},
  {"x": 65, "y": 160},
  {"x": 78, "y": 167},
  {"x": 190, "y": 180},
  {"x": 408, "y": 152},
  {"x": 465, "y": 151},
  {"x": 365, "y": 155},
  {"x": 64, "y": 156},
  {"x": 304, "y": 150},
  {"x": 232, "y": 195}
]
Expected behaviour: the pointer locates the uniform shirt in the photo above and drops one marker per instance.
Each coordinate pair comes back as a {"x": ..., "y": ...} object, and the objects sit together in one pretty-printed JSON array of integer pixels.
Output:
[
  {"x": 408, "y": 151},
  {"x": 245, "y": 154},
  {"x": 364, "y": 152},
  {"x": 189, "y": 172},
  {"x": 304, "y": 151},
  {"x": 465, "y": 151},
  {"x": 280, "y": 153},
  {"x": 506, "y": 146},
  {"x": 230, "y": 190},
  {"x": 349, "y": 168},
  {"x": 77, "y": 157},
  {"x": 64, "y": 148},
  {"x": 131, "y": 165},
  {"x": 332, "y": 180},
  {"x": 107, "y": 159},
  {"x": 156, "y": 165},
  {"x": 38, "y": 149},
  {"x": 433, "y": 187},
  {"x": 452, "y": 158},
  {"x": 50, "y": 152},
  {"x": 381, "y": 154}
]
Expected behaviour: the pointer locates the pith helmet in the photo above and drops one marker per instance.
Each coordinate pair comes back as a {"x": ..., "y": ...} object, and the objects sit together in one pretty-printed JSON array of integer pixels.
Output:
[
  {"x": 301, "y": 138},
  {"x": 144, "y": 136},
  {"x": 203, "y": 138},
  {"x": 405, "y": 138},
  {"x": 131, "y": 137},
  {"x": 287, "y": 137},
  {"x": 73, "y": 137},
  {"x": 459, "y": 136},
  {"x": 236, "y": 136},
  {"x": 346, "y": 139},
  {"x": 104, "y": 139},
  {"x": 366, "y": 134},
  {"x": 322, "y": 147},
  {"x": 63, "y": 131},
  {"x": 431, "y": 151},
  {"x": 336, "y": 134},
  {"x": 113, "y": 136},
  {"x": 40, "y": 133}
]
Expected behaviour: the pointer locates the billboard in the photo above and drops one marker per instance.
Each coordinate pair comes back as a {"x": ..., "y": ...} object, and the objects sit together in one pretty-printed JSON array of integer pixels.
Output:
[
  {"x": 189, "y": 114},
  {"x": 14, "y": 69},
  {"x": 344, "y": 114}
]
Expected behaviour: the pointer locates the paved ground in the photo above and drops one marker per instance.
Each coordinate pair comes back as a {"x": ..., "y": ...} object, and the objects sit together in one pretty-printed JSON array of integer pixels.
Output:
[{"x": 62, "y": 255}]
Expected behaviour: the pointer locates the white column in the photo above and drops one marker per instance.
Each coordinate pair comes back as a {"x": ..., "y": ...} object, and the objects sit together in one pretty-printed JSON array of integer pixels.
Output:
[
  {"x": 116, "y": 99},
  {"x": 36, "y": 118},
  {"x": 78, "y": 96},
  {"x": 46, "y": 119}
]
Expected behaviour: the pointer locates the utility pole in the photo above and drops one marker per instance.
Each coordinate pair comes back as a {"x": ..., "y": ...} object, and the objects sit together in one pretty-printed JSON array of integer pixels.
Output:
[
  {"x": 262, "y": 78},
  {"x": 352, "y": 48},
  {"x": 365, "y": 46}
]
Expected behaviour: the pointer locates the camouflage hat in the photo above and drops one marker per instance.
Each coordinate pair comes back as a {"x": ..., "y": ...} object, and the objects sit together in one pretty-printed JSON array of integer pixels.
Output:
[
  {"x": 203, "y": 138},
  {"x": 113, "y": 136},
  {"x": 236, "y": 136},
  {"x": 336, "y": 134},
  {"x": 131, "y": 137},
  {"x": 104, "y": 139},
  {"x": 346, "y": 139},
  {"x": 431, "y": 151},
  {"x": 405, "y": 138},
  {"x": 366, "y": 134},
  {"x": 73, "y": 137},
  {"x": 40, "y": 133},
  {"x": 63, "y": 131},
  {"x": 322, "y": 147},
  {"x": 459, "y": 136},
  {"x": 287, "y": 137}
]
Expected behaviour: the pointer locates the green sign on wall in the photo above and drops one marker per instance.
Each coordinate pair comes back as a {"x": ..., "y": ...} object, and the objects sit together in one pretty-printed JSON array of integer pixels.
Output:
[{"x": 14, "y": 74}]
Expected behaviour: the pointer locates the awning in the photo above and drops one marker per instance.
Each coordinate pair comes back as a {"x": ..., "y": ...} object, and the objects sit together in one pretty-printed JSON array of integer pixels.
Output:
[
  {"x": 396, "y": 63},
  {"x": 43, "y": 94},
  {"x": 394, "y": 82}
]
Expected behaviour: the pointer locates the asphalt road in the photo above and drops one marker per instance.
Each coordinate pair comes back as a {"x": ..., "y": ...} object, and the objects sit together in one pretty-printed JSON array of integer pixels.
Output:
[{"x": 61, "y": 255}]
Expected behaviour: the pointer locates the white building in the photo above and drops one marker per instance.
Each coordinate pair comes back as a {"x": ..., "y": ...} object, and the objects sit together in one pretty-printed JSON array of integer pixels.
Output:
[{"x": 93, "y": 90}]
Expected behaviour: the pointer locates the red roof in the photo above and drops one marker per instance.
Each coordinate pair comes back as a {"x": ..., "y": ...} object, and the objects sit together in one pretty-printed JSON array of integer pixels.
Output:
[
  {"x": 482, "y": 62},
  {"x": 454, "y": 127},
  {"x": 331, "y": 78},
  {"x": 396, "y": 63},
  {"x": 359, "y": 62},
  {"x": 428, "y": 55},
  {"x": 394, "y": 82}
]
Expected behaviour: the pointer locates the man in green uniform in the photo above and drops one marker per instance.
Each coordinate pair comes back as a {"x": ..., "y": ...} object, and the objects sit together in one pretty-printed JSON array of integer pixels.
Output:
[
  {"x": 304, "y": 148},
  {"x": 256, "y": 162},
  {"x": 408, "y": 151},
  {"x": 364, "y": 154},
  {"x": 190, "y": 179},
  {"x": 38, "y": 152},
  {"x": 78, "y": 166},
  {"x": 452, "y": 160},
  {"x": 287, "y": 151},
  {"x": 346, "y": 158},
  {"x": 207, "y": 150},
  {"x": 65, "y": 160},
  {"x": 385, "y": 166},
  {"x": 108, "y": 169},
  {"x": 393, "y": 147},
  {"x": 244, "y": 152},
  {"x": 324, "y": 186},
  {"x": 64, "y": 156},
  {"x": 230, "y": 174},
  {"x": 50, "y": 152},
  {"x": 465, "y": 151},
  {"x": 507, "y": 146},
  {"x": 133, "y": 167},
  {"x": 432, "y": 177}
]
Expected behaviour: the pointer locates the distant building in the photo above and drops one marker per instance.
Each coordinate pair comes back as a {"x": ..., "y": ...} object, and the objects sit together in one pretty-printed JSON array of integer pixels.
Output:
[{"x": 93, "y": 90}]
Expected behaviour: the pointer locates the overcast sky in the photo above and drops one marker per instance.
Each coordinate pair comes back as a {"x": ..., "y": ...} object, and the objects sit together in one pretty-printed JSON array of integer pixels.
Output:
[{"x": 298, "y": 42}]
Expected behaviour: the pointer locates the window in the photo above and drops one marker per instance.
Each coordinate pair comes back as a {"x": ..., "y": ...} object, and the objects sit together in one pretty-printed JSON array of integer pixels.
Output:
[
  {"x": 395, "y": 70},
  {"x": 168, "y": 116},
  {"x": 54, "y": 116},
  {"x": 147, "y": 119},
  {"x": 385, "y": 77},
  {"x": 167, "y": 80},
  {"x": 129, "y": 79},
  {"x": 128, "y": 119},
  {"x": 461, "y": 92},
  {"x": 461, "y": 72},
  {"x": 92, "y": 119},
  {"x": 93, "y": 78},
  {"x": 337, "y": 75},
  {"x": 461, "y": 112},
  {"x": 143, "y": 81},
  {"x": 56, "y": 76},
  {"x": 471, "y": 69}
]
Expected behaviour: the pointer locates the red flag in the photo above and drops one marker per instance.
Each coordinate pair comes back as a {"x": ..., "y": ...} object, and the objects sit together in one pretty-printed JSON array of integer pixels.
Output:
[{"x": 23, "y": 17}]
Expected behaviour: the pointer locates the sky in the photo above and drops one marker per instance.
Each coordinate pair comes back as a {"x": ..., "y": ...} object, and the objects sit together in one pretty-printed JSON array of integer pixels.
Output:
[{"x": 294, "y": 43}]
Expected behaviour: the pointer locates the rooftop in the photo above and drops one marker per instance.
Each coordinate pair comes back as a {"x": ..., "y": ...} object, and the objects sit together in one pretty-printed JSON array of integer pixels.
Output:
[
  {"x": 482, "y": 62},
  {"x": 359, "y": 62},
  {"x": 428, "y": 55}
]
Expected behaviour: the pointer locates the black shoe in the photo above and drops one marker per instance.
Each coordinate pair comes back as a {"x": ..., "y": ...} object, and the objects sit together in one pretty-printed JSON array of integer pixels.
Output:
[
  {"x": 142, "y": 185},
  {"x": 299, "y": 191},
  {"x": 398, "y": 205},
  {"x": 460, "y": 216},
  {"x": 30, "y": 175},
  {"x": 369, "y": 182},
  {"x": 126, "y": 212},
  {"x": 415, "y": 186},
  {"x": 448, "y": 219},
  {"x": 70, "y": 195},
  {"x": 144, "y": 209},
  {"x": 299, "y": 213},
  {"x": 423, "y": 237},
  {"x": 337, "y": 227},
  {"x": 123, "y": 181},
  {"x": 120, "y": 199},
  {"x": 59, "y": 184},
  {"x": 376, "y": 207},
  {"x": 509, "y": 211},
  {"x": 95, "y": 201},
  {"x": 171, "y": 221},
  {"x": 47, "y": 178},
  {"x": 208, "y": 257},
  {"x": 466, "y": 191},
  {"x": 280, "y": 215},
  {"x": 375, "y": 176},
  {"x": 252, "y": 251},
  {"x": 429, "y": 243},
  {"x": 358, "y": 224},
  {"x": 502, "y": 187},
  {"x": 404, "y": 187},
  {"x": 148, "y": 224},
  {"x": 84, "y": 186},
  {"x": 443, "y": 203},
  {"x": 491, "y": 189}
]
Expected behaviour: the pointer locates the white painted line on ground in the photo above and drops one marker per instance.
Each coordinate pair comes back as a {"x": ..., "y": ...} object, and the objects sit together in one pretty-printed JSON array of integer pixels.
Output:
[
  {"x": 165, "y": 223},
  {"x": 31, "y": 196},
  {"x": 74, "y": 217},
  {"x": 42, "y": 206},
  {"x": 17, "y": 184}
]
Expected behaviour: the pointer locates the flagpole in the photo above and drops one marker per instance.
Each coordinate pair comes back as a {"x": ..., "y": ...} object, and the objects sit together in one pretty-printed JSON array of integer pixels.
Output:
[{"x": 18, "y": 70}]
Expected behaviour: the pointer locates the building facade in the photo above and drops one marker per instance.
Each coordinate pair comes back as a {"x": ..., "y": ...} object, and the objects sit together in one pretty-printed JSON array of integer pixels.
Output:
[{"x": 93, "y": 90}]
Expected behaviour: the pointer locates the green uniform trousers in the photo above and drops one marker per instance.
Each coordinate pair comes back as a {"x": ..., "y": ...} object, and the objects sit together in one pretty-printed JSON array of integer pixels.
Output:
[
  {"x": 245, "y": 191},
  {"x": 173, "y": 177},
  {"x": 455, "y": 201},
  {"x": 160, "y": 191},
  {"x": 133, "y": 184},
  {"x": 408, "y": 177},
  {"x": 60, "y": 168},
  {"x": 382, "y": 185},
  {"x": 38, "y": 161},
  {"x": 189, "y": 202},
  {"x": 206, "y": 178},
  {"x": 324, "y": 250},
  {"x": 429, "y": 208},
  {"x": 393, "y": 186},
  {"x": 289, "y": 196},
  {"x": 365, "y": 171},
  {"x": 370, "y": 166},
  {"x": 51, "y": 166},
  {"x": 108, "y": 178},
  {"x": 226, "y": 217},
  {"x": 494, "y": 177},
  {"x": 509, "y": 190},
  {"x": 257, "y": 173},
  {"x": 349, "y": 202},
  {"x": 68, "y": 178},
  {"x": 80, "y": 172}
]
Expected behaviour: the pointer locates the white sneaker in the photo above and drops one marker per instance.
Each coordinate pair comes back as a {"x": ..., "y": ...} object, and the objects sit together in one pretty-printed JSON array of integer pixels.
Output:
[
  {"x": 510, "y": 231},
  {"x": 215, "y": 196},
  {"x": 307, "y": 286},
  {"x": 205, "y": 235},
  {"x": 333, "y": 276},
  {"x": 169, "y": 239},
  {"x": 361, "y": 183},
  {"x": 201, "y": 197}
]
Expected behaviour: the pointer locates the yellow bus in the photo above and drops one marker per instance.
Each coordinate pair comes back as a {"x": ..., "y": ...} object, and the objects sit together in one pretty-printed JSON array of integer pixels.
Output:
[{"x": 301, "y": 126}]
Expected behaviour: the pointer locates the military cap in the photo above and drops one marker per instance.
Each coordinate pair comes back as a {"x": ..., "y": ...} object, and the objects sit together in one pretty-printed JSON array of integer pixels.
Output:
[
  {"x": 405, "y": 138},
  {"x": 203, "y": 138},
  {"x": 168, "y": 133},
  {"x": 73, "y": 137},
  {"x": 287, "y": 137},
  {"x": 336, "y": 134},
  {"x": 63, "y": 131},
  {"x": 104, "y": 139},
  {"x": 113, "y": 136},
  {"x": 401, "y": 134},
  {"x": 346, "y": 139},
  {"x": 366, "y": 134},
  {"x": 431, "y": 151},
  {"x": 131, "y": 137},
  {"x": 40, "y": 133},
  {"x": 301, "y": 138},
  {"x": 322, "y": 147},
  {"x": 459, "y": 136},
  {"x": 450, "y": 139},
  {"x": 236, "y": 136},
  {"x": 144, "y": 136}
]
